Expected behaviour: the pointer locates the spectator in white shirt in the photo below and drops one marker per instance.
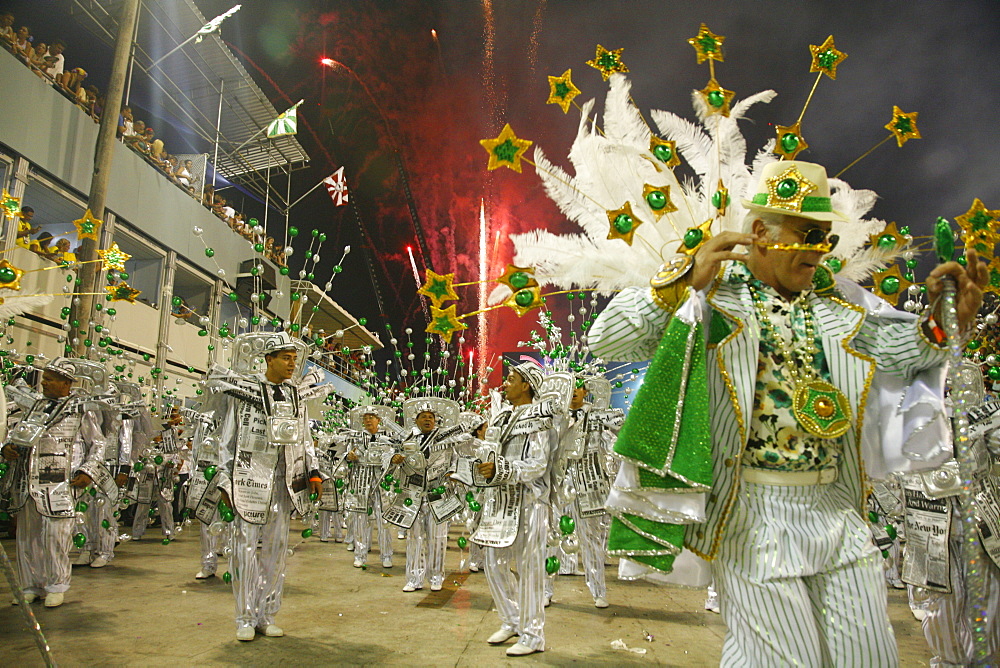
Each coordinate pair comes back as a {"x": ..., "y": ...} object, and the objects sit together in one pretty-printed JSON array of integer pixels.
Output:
[{"x": 55, "y": 59}]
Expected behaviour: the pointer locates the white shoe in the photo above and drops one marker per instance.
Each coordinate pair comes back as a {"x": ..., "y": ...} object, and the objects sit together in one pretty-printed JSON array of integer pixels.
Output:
[
  {"x": 245, "y": 633},
  {"x": 350, "y": 547},
  {"x": 520, "y": 650},
  {"x": 83, "y": 559},
  {"x": 100, "y": 562},
  {"x": 712, "y": 603},
  {"x": 401, "y": 535},
  {"x": 919, "y": 614},
  {"x": 204, "y": 575},
  {"x": 473, "y": 568},
  {"x": 501, "y": 636},
  {"x": 548, "y": 601},
  {"x": 28, "y": 598},
  {"x": 53, "y": 599},
  {"x": 409, "y": 587},
  {"x": 436, "y": 587},
  {"x": 272, "y": 631},
  {"x": 324, "y": 540},
  {"x": 600, "y": 602},
  {"x": 358, "y": 562},
  {"x": 386, "y": 562},
  {"x": 338, "y": 540}
]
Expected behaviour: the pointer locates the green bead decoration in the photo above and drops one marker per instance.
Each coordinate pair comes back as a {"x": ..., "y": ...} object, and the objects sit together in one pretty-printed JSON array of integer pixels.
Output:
[
  {"x": 306, "y": 533},
  {"x": 524, "y": 298},
  {"x": 227, "y": 577},
  {"x": 551, "y": 565},
  {"x": 656, "y": 200},
  {"x": 567, "y": 525},
  {"x": 787, "y": 188},
  {"x": 716, "y": 99},
  {"x": 663, "y": 153},
  {"x": 624, "y": 223},
  {"x": 890, "y": 285},
  {"x": 79, "y": 539},
  {"x": 462, "y": 542},
  {"x": 519, "y": 279},
  {"x": 789, "y": 142}
]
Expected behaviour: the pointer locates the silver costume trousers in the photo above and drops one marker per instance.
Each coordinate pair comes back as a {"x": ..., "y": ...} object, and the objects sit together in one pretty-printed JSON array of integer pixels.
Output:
[
  {"x": 209, "y": 545},
  {"x": 258, "y": 575},
  {"x": 43, "y": 545},
  {"x": 330, "y": 525},
  {"x": 426, "y": 542},
  {"x": 592, "y": 534},
  {"x": 363, "y": 532},
  {"x": 476, "y": 555},
  {"x": 800, "y": 582},
  {"x": 163, "y": 507},
  {"x": 947, "y": 628},
  {"x": 519, "y": 599},
  {"x": 101, "y": 541}
]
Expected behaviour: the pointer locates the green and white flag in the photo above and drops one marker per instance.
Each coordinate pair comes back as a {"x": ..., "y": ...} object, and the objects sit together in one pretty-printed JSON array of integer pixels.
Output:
[{"x": 284, "y": 124}]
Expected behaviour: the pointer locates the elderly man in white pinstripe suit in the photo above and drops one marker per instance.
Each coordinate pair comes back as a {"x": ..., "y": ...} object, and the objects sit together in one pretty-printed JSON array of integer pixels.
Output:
[{"x": 790, "y": 358}]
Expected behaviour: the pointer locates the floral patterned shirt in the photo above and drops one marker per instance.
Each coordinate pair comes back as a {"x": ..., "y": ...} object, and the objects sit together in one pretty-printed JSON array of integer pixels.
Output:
[{"x": 776, "y": 440}]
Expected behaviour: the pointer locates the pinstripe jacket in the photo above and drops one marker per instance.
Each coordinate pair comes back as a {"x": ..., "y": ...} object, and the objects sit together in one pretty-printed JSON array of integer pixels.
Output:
[{"x": 855, "y": 343}]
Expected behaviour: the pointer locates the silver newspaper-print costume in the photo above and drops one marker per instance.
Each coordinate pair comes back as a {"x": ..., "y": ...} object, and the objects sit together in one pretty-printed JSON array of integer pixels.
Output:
[
  {"x": 155, "y": 484},
  {"x": 265, "y": 459},
  {"x": 203, "y": 495},
  {"x": 55, "y": 439}
]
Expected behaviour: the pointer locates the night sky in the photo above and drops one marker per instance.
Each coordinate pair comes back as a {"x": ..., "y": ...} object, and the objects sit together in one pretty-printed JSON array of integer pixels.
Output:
[{"x": 429, "y": 100}]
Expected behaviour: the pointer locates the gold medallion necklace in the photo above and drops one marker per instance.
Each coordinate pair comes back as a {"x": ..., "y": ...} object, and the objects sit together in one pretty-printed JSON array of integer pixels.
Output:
[{"x": 818, "y": 406}]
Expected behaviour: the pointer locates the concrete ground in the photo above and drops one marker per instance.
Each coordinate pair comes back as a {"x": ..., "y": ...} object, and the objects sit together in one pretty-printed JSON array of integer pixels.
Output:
[{"x": 146, "y": 609}]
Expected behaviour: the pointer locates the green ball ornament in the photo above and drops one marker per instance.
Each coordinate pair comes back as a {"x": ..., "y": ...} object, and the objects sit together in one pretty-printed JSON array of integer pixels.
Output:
[
  {"x": 138, "y": 466},
  {"x": 105, "y": 524},
  {"x": 462, "y": 542},
  {"x": 209, "y": 252},
  {"x": 228, "y": 516},
  {"x": 306, "y": 533},
  {"x": 407, "y": 502},
  {"x": 313, "y": 496},
  {"x": 339, "y": 484},
  {"x": 158, "y": 459},
  {"x": 79, "y": 539},
  {"x": 872, "y": 516},
  {"x": 259, "y": 248},
  {"x": 567, "y": 525},
  {"x": 227, "y": 577},
  {"x": 210, "y": 471},
  {"x": 176, "y": 301},
  {"x": 283, "y": 271},
  {"x": 475, "y": 506},
  {"x": 891, "y": 530},
  {"x": 82, "y": 507},
  {"x": 551, "y": 565},
  {"x": 165, "y": 541},
  {"x": 92, "y": 491},
  {"x": 293, "y": 231}
]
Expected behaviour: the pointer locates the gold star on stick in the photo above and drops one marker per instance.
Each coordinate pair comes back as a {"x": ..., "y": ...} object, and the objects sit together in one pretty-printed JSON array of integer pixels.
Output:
[
  {"x": 993, "y": 271},
  {"x": 438, "y": 288},
  {"x": 524, "y": 300},
  {"x": 890, "y": 284},
  {"x": 789, "y": 141},
  {"x": 695, "y": 238},
  {"x": 888, "y": 239},
  {"x": 826, "y": 57},
  {"x": 114, "y": 258},
  {"x": 506, "y": 149},
  {"x": 978, "y": 219},
  {"x": 10, "y": 276},
  {"x": 518, "y": 278},
  {"x": 11, "y": 205},
  {"x": 658, "y": 200},
  {"x": 562, "y": 91},
  {"x": 717, "y": 98},
  {"x": 608, "y": 62},
  {"x": 122, "y": 292},
  {"x": 665, "y": 151},
  {"x": 721, "y": 199},
  {"x": 444, "y": 323},
  {"x": 623, "y": 223},
  {"x": 903, "y": 126},
  {"x": 707, "y": 45},
  {"x": 87, "y": 227}
]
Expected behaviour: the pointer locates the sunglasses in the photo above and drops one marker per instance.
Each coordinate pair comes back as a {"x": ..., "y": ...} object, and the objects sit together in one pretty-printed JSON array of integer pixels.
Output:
[{"x": 815, "y": 239}]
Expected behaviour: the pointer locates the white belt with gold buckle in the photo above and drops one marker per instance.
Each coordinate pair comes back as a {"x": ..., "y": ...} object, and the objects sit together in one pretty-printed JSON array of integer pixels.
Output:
[{"x": 790, "y": 478}]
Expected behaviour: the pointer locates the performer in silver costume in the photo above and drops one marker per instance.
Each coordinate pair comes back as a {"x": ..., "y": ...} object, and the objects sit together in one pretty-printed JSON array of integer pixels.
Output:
[
  {"x": 426, "y": 500},
  {"x": 513, "y": 467},
  {"x": 267, "y": 466},
  {"x": 369, "y": 447},
  {"x": 55, "y": 450},
  {"x": 154, "y": 481},
  {"x": 202, "y": 498},
  {"x": 331, "y": 514}
]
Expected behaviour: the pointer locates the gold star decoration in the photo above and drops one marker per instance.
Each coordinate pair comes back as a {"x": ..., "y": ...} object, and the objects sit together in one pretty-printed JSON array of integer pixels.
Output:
[
  {"x": 87, "y": 227},
  {"x": 888, "y": 239},
  {"x": 444, "y": 323},
  {"x": 562, "y": 91},
  {"x": 114, "y": 258},
  {"x": 122, "y": 292},
  {"x": 993, "y": 271},
  {"x": 903, "y": 126},
  {"x": 707, "y": 45},
  {"x": 438, "y": 288},
  {"x": 665, "y": 151},
  {"x": 11, "y": 205},
  {"x": 826, "y": 57},
  {"x": 10, "y": 276},
  {"x": 695, "y": 238},
  {"x": 721, "y": 199},
  {"x": 608, "y": 62},
  {"x": 658, "y": 200},
  {"x": 506, "y": 149},
  {"x": 979, "y": 220},
  {"x": 890, "y": 284},
  {"x": 518, "y": 278},
  {"x": 788, "y": 189},
  {"x": 622, "y": 223},
  {"x": 717, "y": 98},
  {"x": 524, "y": 300},
  {"x": 788, "y": 141}
]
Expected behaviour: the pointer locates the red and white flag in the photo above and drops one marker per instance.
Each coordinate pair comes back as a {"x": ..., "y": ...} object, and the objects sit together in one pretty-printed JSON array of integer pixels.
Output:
[{"x": 336, "y": 185}]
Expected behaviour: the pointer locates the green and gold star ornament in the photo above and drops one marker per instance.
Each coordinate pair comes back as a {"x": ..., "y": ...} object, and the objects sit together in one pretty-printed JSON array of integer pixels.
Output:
[
  {"x": 993, "y": 273},
  {"x": 665, "y": 151},
  {"x": 788, "y": 141},
  {"x": 622, "y": 223},
  {"x": 903, "y": 126},
  {"x": 608, "y": 62},
  {"x": 826, "y": 57},
  {"x": 562, "y": 91},
  {"x": 88, "y": 226},
  {"x": 707, "y": 45},
  {"x": 888, "y": 239},
  {"x": 695, "y": 238},
  {"x": 658, "y": 200},
  {"x": 10, "y": 276},
  {"x": 444, "y": 323},
  {"x": 979, "y": 220},
  {"x": 717, "y": 98},
  {"x": 114, "y": 258},
  {"x": 821, "y": 409},
  {"x": 122, "y": 292},
  {"x": 721, "y": 199},
  {"x": 518, "y": 278},
  {"x": 524, "y": 300},
  {"x": 788, "y": 189},
  {"x": 10, "y": 205},
  {"x": 890, "y": 284},
  {"x": 438, "y": 288},
  {"x": 506, "y": 149}
]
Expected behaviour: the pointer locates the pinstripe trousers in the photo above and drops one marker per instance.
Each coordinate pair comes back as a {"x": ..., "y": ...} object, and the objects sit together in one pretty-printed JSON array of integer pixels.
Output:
[{"x": 800, "y": 582}]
